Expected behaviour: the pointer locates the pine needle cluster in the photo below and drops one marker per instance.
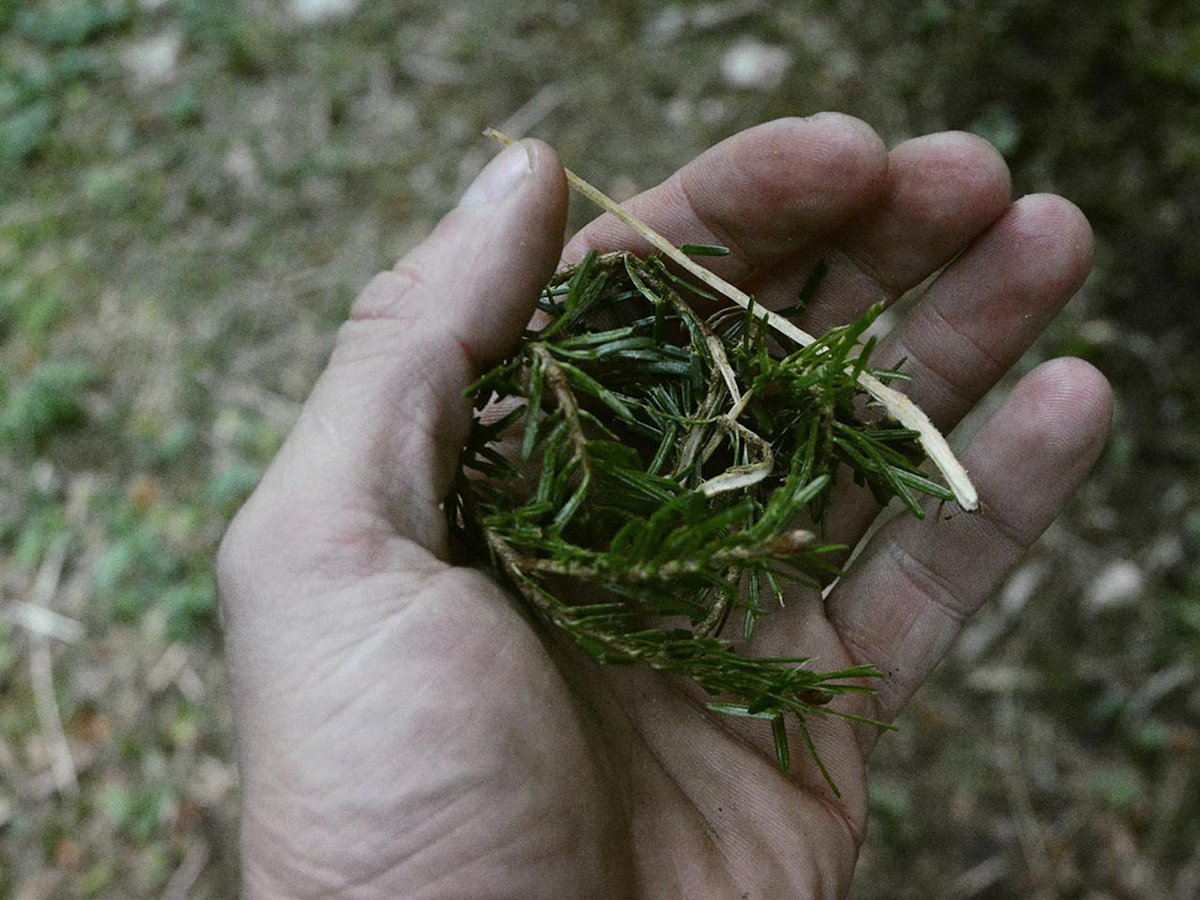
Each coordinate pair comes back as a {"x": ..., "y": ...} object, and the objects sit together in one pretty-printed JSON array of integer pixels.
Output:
[{"x": 680, "y": 467}]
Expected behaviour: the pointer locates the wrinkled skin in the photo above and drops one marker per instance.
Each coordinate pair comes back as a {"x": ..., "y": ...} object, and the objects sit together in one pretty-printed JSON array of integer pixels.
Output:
[{"x": 404, "y": 731}]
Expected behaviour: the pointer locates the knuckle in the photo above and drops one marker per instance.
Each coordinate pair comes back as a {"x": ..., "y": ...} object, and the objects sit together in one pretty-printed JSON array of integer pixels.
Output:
[
  {"x": 249, "y": 547},
  {"x": 927, "y": 585},
  {"x": 232, "y": 552},
  {"x": 386, "y": 294},
  {"x": 385, "y": 311}
]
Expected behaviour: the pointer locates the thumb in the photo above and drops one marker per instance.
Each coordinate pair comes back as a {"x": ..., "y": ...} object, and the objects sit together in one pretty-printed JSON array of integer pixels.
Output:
[{"x": 383, "y": 427}]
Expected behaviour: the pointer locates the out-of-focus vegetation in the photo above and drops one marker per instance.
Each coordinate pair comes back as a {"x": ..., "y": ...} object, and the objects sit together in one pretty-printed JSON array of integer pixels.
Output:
[{"x": 190, "y": 193}]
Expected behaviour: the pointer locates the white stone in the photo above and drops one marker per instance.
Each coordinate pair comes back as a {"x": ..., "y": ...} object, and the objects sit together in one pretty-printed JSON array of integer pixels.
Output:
[
  {"x": 1022, "y": 586},
  {"x": 665, "y": 27},
  {"x": 310, "y": 11},
  {"x": 242, "y": 167},
  {"x": 678, "y": 112},
  {"x": 753, "y": 65},
  {"x": 1117, "y": 585},
  {"x": 155, "y": 60}
]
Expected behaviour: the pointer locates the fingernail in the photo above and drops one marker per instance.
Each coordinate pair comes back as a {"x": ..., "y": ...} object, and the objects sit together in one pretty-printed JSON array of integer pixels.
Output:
[{"x": 499, "y": 178}]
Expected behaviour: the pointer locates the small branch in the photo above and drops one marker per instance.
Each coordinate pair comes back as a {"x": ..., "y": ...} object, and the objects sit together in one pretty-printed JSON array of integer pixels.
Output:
[
  {"x": 976, "y": 880},
  {"x": 721, "y": 361},
  {"x": 567, "y": 402},
  {"x": 899, "y": 407},
  {"x": 41, "y": 674},
  {"x": 740, "y": 406},
  {"x": 1028, "y": 831},
  {"x": 737, "y": 477},
  {"x": 705, "y": 416},
  {"x": 787, "y": 544},
  {"x": 195, "y": 858},
  {"x": 716, "y": 348},
  {"x": 49, "y": 573},
  {"x": 718, "y": 615},
  {"x": 514, "y": 565},
  {"x": 536, "y": 108},
  {"x": 45, "y": 622}
]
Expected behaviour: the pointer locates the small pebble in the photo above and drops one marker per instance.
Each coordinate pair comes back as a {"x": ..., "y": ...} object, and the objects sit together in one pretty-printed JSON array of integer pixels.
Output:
[
  {"x": 753, "y": 65},
  {"x": 1117, "y": 586},
  {"x": 310, "y": 11},
  {"x": 155, "y": 60}
]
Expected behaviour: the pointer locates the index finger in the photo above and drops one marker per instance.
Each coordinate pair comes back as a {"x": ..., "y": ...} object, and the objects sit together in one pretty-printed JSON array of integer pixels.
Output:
[{"x": 765, "y": 193}]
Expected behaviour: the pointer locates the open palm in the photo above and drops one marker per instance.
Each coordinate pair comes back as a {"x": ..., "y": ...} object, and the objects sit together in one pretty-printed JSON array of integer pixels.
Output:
[{"x": 404, "y": 730}]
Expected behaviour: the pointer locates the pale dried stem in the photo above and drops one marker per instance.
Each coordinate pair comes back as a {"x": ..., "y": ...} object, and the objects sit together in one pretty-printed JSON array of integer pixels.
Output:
[
  {"x": 898, "y": 406},
  {"x": 41, "y": 674},
  {"x": 185, "y": 877},
  {"x": 1029, "y": 832},
  {"x": 736, "y": 477}
]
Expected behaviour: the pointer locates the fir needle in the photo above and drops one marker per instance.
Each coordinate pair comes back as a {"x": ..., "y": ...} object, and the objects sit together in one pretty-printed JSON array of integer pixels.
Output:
[{"x": 898, "y": 406}]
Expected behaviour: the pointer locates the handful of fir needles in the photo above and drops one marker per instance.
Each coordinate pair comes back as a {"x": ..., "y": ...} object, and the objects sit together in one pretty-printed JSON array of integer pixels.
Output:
[{"x": 681, "y": 467}]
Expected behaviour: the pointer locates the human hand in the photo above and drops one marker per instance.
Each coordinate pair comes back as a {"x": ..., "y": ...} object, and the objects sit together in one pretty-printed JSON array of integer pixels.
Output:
[{"x": 403, "y": 730}]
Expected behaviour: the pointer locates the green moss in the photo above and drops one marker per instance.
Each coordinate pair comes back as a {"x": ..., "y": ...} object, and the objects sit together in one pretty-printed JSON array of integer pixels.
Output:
[{"x": 46, "y": 402}]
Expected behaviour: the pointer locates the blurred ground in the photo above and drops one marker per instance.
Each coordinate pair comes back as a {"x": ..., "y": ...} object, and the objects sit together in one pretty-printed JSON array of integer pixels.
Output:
[{"x": 192, "y": 190}]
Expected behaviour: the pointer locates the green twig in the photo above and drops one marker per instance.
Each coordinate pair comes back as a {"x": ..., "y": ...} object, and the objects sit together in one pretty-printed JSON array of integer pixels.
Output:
[{"x": 751, "y": 442}]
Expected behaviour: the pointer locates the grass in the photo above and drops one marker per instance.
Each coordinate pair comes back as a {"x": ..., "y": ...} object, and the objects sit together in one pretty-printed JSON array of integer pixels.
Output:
[{"x": 176, "y": 250}]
